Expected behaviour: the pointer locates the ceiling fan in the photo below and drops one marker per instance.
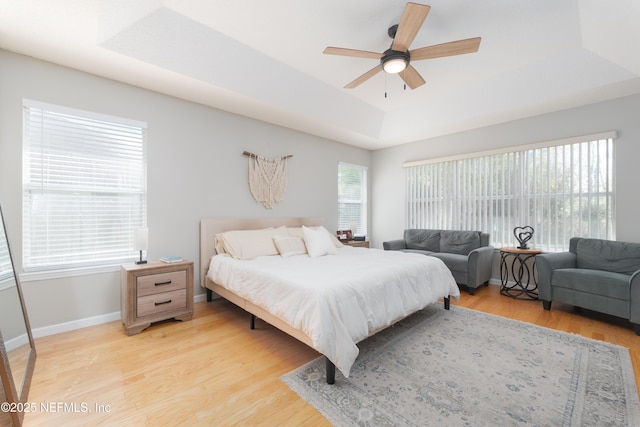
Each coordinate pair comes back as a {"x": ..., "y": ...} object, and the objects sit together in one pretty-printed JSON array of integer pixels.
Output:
[{"x": 397, "y": 59}]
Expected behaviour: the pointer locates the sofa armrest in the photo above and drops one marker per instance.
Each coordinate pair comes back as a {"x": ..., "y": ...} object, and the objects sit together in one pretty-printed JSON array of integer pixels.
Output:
[
  {"x": 394, "y": 245},
  {"x": 634, "y": 298},
  {"x": 546, "y": 263},
  {"x": 479, "y": 265}
]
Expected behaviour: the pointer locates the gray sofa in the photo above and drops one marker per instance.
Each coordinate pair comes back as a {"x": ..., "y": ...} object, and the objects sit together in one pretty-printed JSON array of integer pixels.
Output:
[
  {"x": 599, "y": 275},
  {"x": 466, "y": 253}
]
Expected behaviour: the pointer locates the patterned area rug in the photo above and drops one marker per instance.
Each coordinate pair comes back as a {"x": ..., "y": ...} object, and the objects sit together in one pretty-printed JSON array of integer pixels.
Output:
[{"x": 466, "y": 368}]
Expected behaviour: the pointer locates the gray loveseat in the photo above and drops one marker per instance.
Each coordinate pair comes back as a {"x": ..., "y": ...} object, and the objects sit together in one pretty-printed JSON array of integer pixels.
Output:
[
  {"x": 466, "y": 253},
  {"x": 599, "y": 275}
]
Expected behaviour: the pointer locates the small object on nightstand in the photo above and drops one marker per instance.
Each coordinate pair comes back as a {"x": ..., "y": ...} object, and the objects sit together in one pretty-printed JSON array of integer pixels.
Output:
[
  {"x": 171, "y": 259},
  {"x": 153, "y": 292},
  {"x": 344, "y": 235}
]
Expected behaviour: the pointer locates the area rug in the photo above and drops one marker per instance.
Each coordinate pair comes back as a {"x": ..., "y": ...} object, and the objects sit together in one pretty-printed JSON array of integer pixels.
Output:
[{"x": 466, "y": 368}]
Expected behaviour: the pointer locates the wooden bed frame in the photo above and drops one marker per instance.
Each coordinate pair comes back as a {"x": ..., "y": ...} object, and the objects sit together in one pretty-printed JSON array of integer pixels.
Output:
[{"x": 210, "y": 227}]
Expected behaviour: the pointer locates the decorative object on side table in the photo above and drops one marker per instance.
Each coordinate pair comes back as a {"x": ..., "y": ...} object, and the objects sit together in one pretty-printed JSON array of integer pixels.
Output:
[
  {"x": 344, "y": 235},
  {"x": 153, "y": 292},
  {"x": 523, "y": 235}
]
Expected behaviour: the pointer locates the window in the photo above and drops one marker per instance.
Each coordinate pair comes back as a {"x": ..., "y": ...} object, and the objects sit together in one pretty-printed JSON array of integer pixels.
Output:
[
  {"x": 84, "y": 187},
  {"x": 352, "y": 197},
  {"x": 562, "y": 189},
  {"x": 6, "y": 268}
]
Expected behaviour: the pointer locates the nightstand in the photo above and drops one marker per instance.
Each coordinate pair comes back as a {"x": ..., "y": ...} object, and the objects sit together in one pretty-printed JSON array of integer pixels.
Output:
[
  {"x": 153, "y": 292},
  {"x": 357, "y": 243}
]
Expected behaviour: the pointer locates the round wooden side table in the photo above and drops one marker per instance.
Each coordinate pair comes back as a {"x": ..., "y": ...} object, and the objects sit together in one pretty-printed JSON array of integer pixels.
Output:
[{"x": 523, "y": 275}]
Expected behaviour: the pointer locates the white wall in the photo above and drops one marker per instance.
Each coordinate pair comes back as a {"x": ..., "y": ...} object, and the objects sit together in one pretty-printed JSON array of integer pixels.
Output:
[
  {"x": 195, "y": 170},
  {"x": 621, "y": 115}
]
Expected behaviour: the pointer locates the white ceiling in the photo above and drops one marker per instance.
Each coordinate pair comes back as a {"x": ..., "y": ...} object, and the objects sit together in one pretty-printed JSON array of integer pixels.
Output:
[{"x": 263, "y": 59}]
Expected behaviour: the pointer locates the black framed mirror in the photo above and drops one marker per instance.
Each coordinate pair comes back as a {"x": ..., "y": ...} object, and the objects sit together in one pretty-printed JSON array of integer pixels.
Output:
[{"x": 17, "y": 349}]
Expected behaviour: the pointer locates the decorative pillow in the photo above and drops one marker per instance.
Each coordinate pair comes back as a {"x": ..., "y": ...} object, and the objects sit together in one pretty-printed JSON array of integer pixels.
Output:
[
  {"x": 318, "y": 242},
  {"x": 459, "y": 242},
  {"x": 219, "y": 244},
  {"x": 608, "y": 255},
  {"x": 422, "y": 239},
  {"x": 289, "y": 245},
  {"x": 297, "y": 231},
  {"x": 249, "y": 244}
]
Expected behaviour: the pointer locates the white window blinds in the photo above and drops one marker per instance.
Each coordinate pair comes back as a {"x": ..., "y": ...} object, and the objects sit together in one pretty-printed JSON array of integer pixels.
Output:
[
  {"x": 84, "y": 187},
  {"x": 562, "y": 189},
  {"x": 352, "y": 197}
]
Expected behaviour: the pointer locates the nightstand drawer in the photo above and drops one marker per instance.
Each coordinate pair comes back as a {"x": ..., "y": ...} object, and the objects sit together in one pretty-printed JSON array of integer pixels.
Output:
[
  {"x": 158, "y": 303},
  {"x": 161, "y": 282}
]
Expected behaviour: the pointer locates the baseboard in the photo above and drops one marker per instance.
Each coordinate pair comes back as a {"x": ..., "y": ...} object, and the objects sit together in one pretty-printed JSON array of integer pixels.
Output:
[
  {"x": 75, "y": 324},
  {"x": 88, "y": 321}
]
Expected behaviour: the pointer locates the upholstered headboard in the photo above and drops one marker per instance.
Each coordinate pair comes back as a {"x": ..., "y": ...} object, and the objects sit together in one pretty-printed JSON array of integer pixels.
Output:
[{"x": 209, "y": 227}]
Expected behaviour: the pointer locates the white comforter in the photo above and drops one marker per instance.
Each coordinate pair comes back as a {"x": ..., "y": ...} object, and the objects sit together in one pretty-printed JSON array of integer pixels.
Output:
[{"x": 338, "y": 300}]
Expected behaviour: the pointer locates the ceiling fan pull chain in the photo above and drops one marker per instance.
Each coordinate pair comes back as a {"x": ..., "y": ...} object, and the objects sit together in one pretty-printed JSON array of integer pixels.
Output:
[{"x": 385, "y": 85}]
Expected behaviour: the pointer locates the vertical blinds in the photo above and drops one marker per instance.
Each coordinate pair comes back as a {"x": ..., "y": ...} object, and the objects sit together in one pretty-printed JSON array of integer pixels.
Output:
[
  {"x": 561, "y": 191},
  {"x": 352, "y": 197},
  {"x": 84, "y": 187}
]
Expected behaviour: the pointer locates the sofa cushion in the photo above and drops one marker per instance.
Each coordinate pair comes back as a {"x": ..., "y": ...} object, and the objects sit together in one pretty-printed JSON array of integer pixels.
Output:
[
  {"x": 608, "y": 255},
  {"x": 459, "y": 242},
  {"x": 455, "y": 262},
  {"x": 426, "y": 240},
  {"x": 597, "y": 282},
  {"x": 417, "y": 251}
]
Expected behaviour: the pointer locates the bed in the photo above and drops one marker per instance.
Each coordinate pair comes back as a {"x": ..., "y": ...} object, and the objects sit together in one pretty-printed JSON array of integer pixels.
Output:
[{"x": 329, "y": 301}]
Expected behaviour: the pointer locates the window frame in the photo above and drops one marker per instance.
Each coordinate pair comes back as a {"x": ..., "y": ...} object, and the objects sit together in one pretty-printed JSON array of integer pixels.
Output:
[
  {"x": 522, "y": 191},
  {"x": 95, "y": 191},
  {"x": 362, "y": 201}
]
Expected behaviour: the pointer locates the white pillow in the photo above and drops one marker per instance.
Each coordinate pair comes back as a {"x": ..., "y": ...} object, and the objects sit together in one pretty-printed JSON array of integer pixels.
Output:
[
  {"x": 318, "y": 242},
  {"x": 249, "y": 244},
  {"x": 219, "y": 244},
  {"x": 297, "y": 231},
  {"x": 289, "y": 245}
]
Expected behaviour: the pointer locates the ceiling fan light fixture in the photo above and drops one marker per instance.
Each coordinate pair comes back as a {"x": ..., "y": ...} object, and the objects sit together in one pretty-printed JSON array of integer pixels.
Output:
[{"x": 394, "y": 62}]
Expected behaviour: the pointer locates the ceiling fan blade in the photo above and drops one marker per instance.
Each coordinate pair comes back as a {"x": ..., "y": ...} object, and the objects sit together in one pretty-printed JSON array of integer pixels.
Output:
[
  {"x": 411, "y": 77},
  {"x": 412, "y": 19},
  {"x": 351, "y": 52},
  {"x": 446, "y": 49},
  {"x": 363, "y": 78}
]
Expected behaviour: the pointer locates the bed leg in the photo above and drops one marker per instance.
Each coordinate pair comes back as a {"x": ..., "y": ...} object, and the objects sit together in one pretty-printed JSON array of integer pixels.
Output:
[
  {"x": 209, "y": 295},
  {"x": 331, "y": 371},
  {"x": 253, "y": 321},
  {"x": 447, "y": 303}
]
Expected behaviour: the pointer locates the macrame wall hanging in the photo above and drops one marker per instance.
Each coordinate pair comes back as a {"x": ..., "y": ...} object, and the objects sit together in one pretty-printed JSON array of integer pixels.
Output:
[{"x": 267, "y": 178}]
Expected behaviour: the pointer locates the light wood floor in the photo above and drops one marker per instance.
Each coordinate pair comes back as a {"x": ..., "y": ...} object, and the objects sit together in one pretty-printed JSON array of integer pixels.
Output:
[{"x": 214, "y": 370}]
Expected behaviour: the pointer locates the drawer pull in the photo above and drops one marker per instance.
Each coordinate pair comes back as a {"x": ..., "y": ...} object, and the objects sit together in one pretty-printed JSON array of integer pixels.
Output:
[
  {"x": 162, "y": 302},
  {"x": 168, "y": 282}
]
